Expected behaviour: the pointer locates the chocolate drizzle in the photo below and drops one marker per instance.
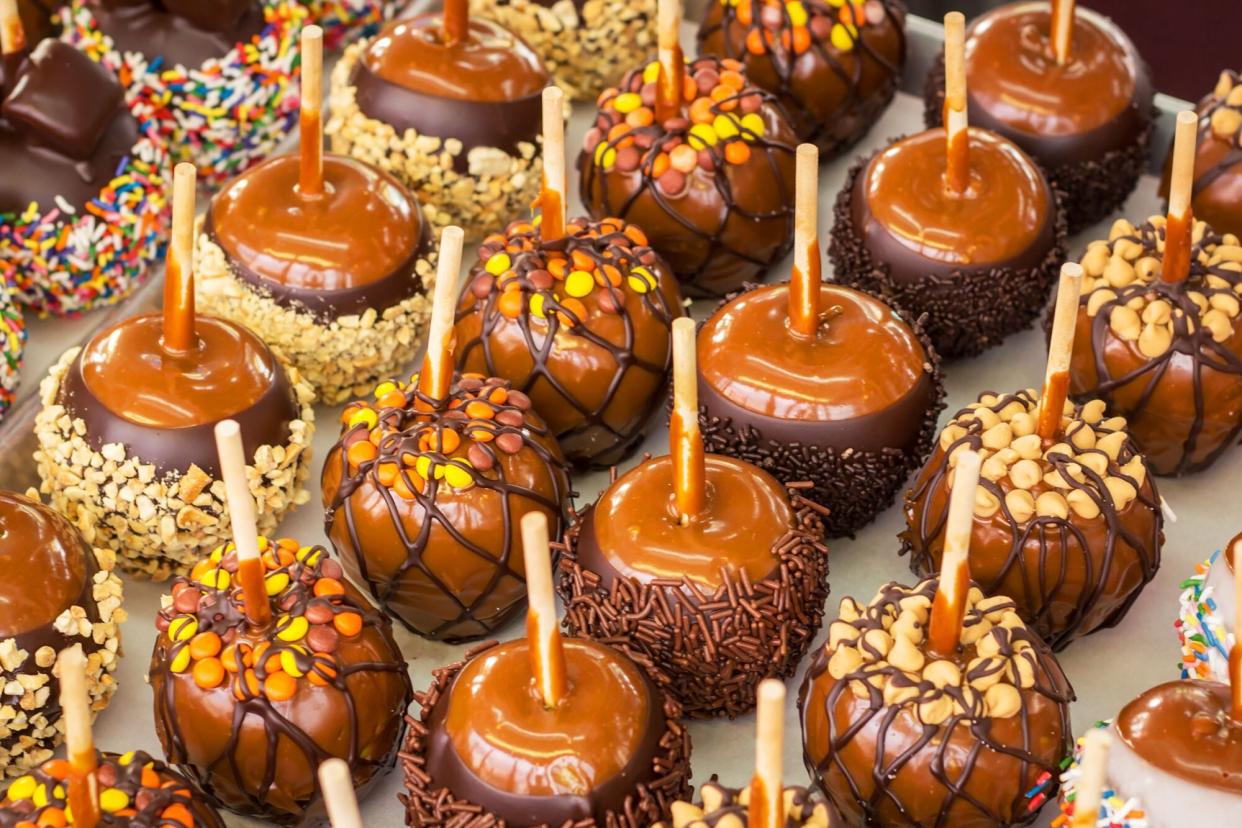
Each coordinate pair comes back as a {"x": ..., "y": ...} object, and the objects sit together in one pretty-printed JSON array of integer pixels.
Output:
[
  {"x": 430, "y": 802},
  {"x": 429, "y": 522},
  {"x": 344, "y": 696},
  {"x": 893, "y": 747},
  {"x": 156, "y": 796},
  {"x": 1072, "y": 573},
  {"x": 720, "y": 806},
  {"x": 735, "y": 220},
  {"x": 1179, "y": 402},
  {"x": 833, "y": 77},
  {"x": 594, "y": 365},
  {"x": 709, "y": 647}
]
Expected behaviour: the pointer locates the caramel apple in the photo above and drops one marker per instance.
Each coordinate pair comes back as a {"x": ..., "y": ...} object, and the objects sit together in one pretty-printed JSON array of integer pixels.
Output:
[
  {"x": 449, "y": 104},
  {"x": 705, "y": 564},
  {"x": 1068, "y": 87},
  {"x": 959, "y": 225},
  {"x": 68, "y": 596},
  {"x": 210, "y": 77},
  {"x": 328, "y": 257},
  {"x": 699, "y": 158},
  {"x": 82, "y": 207},
  {"x": 833, "y": 66},
  {"x": 426, "y": 486},
  {"x": 1217, "y": 194},
  {"x": 819, "y": 382},
  {"x": 124, "y": 434},
  {"x": 576, "y": 316},
  {"x": 545, "y": 730},
  {"x": 267, "y": 662}
]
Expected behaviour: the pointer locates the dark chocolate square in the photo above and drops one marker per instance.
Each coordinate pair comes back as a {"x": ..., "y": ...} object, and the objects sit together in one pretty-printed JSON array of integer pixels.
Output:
[{"x": 64, "y": 99}]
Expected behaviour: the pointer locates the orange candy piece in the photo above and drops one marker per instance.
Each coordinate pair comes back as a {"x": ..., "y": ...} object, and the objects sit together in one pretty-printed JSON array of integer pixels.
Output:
[
  {"x": 205, "y": 645},
  {"x": 208, "y": 673},
  {"x": 387, "y": 473},
  {"x": 229, "y": 658},
  {"x": 347, "y": 624},
  {"x": 510, "y": 304},
  {"x": 177, "y": 814},
  {"x": 323, "y": 672},
  {"x": 52, "y": 818},
  {"x": 701, "y": 111},
  {"x": 393, "y": 399},
  {"x": 57, "y": 769},
  {"x": 150, "y": 779},
  {"x": 636, "y": 235},
  {"x": 280, "y": 687},
  {"x": 479, "y": 410},
  {"x": 329, "y": 586},
  {"x": 573, "y": 306},
  {"x": 737, "y": 152},
  {"x": 361, "y": 452}
]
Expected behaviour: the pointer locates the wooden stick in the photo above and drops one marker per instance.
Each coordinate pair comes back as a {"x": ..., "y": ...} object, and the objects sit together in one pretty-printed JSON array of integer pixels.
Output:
[
  {"x": 456, "y": 21},
  {"x": 1235, "y": 654},
  {"x": 547, "y": 653},
  {"x": 672, "y": 63},
  {"x": 1062, "y": 29},
  {"x": 552, "y": 198},
  {"x": 1093, "y": 772},
  {"x": 179, "y": 337},
  {"x": 1060, "y": 350},
  {"x": 12, "y": 33},
  {"x": 1180, "y": 225},
  {"x": 75, "y": 703},
  {"x": 337, "y": 785},
  {"x": 310, "y": 179},
  {"x": 685, "y": 440},
  {"x": 436, "y": 376},
  {"x": 949, "y": 607},
  {"x": 244, "y": 528},
  {"x": 767, "y": 788},
  {"x": 956, "y": 125},
  {"x": 806, "y": 278}
]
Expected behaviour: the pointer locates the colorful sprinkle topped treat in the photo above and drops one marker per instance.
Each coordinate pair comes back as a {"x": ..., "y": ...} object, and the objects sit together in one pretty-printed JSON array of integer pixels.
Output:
[
  {"x": 1201, "y": 627},
  {"x": 592, "y": 310},
  {"x": 712, "y": 187},
  {"x": 12, "y": 344},
  {"x": 135, "y": 789},
  {"x": 344, "y": 21},
  {"x": 222, "y": 116},
  {"x": 1115, "y": 811},
  {"x": 325, "y": 676}
]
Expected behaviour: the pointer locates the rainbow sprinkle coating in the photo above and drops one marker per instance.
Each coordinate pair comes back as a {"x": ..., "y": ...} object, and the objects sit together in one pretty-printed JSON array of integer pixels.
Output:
[
  {"x": 344, "y": 21},
  {"x": 224, "y": 115},
  {"x": 1115, "y": 811},
  {"x": 63, "y": 261},
  {"x": 12, "y": 343},
  {"x": 1201, "y": 629}
]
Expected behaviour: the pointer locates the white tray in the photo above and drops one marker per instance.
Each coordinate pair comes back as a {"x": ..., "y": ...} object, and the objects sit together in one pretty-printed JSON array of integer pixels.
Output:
[{"x": 1107, "y": 669}]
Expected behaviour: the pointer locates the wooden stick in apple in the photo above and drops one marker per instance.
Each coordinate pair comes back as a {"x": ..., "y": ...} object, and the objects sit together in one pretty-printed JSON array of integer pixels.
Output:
[
  {"x": 337, "y": 785},
  {"x": 552, "y": 195},
  {"x": 83, "y": 793},
  {"x": 12, "y": 33},
  {"x": 244, "y": 528},
  {"x": 547, "y": 653},
  {"x": 685, "y": 440},
  {"x": 1062, "y": 33},
  {"x": 310, "y": 177},
  {"x": 456, "y": 21},
  {"x": 1060, "y": 349},
  {"x": 956, "y": 125},
  {"x": 804, "y": 282},
  {"x": 1235, "y": 654},
  {"x": 436, "y": 375},
  {"x": 672, "y": 62},
  {"x": 1178, "y": 229},
  {"x": 1093, "y": 770},
  {"x": 949, "y": 605},
  {"x": 179, "y": 336},
  {"x": 767, "y": 788}
]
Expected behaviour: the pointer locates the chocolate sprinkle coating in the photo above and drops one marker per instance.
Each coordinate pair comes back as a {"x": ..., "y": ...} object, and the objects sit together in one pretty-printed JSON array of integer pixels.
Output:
[
  {"x": 959, "y": 742},
  {"x": 964, "y": 311},
  {"x": 429, "y": 805},
  {"x": 1093, "y": 188},
  {"x": 853, "y": 485},
  {"x": 710, "y": 648}
]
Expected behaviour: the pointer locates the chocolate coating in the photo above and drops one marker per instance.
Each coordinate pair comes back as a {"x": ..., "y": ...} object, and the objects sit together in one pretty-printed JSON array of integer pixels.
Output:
[
  {"x": 748, "y": 603},
  {"x": 49, "y": 569},
  {"x": 1179, "y": 389},
  {"x": 719, "y": 222},
  {"x": 1088, "y": 124},
  {"x": 440, "y": 787},
  {"x": 165, "y": 413},
  {"x": 1073, "y": 543},
  {"x": 440, "y": 553},
  {"x": 1217, "y": 194},
  {"x": 485, "y": 91},
  {"x": 352, "y": 249},
  {"x": 808, "y": 410},
  {"x": 64, "y": 130},
  {"x": 892, "y": 748},
  {"x": 833, "y": 80},
  {"x": 596, "y": 376},
  {"x": 977, "y": 278},
  {"x": 39, "y": 18},
  {"x": 254, "y": 733},
  {"x": 157, "y": 796},
  {"x": 182, "y": 32}
]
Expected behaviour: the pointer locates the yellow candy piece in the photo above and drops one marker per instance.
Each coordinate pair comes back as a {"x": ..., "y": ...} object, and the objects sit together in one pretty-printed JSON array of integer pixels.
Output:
[
  {"x": 725, "y": 126},
  {"x": 457, "y": 475},
  {"x": 295, "y": 630},
  {"x": 384, "y": 389},
  {"x": 22, "y": 788},
  {"x": 498, "y": 263},
  {"x": 605, "y": 156},
  {"x": 181, "y": 661},
  {"x": 289, "y": 663},
  {"x": 263, "y": 544},
  {"x": 126, "y": 758},
  {"x": 651, "y": 73},
  {"x": 627, "y": 102},
  {"x": 217, "y": 554},
  {"x": 40, "y": 796},
  {"x": 216, "y": 579},
  {"x": 579, "y": 283},
  {"x": 752, "y": 126},
  {"x": 797, "y": 13},
  {"x": 702, "y": 136},
  {"x": 276, "y": 583},
  {"x": 113, "y": 800},
  {"x": 644, "y": 276},
  {"x": 183, "y": 628},
  {"x": 836, "y": 4},
  {"x": 536, "y": 306},
  {"x": 364, "y": 417},
  {"x": 841, "y": 38},
  {"x": 637, "y": 285},
  {"x": 423, "y": 467}
]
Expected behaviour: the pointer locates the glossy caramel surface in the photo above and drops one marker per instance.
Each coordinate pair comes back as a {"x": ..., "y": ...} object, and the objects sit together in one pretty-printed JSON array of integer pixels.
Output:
[
  {"x": 44, "y": 561},
  {"x": 1184, "y": 728},
  {"x": 500, "y": 729},
  {"x": 746, "y": 511},
  {"x": 863, "y": 359}
]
